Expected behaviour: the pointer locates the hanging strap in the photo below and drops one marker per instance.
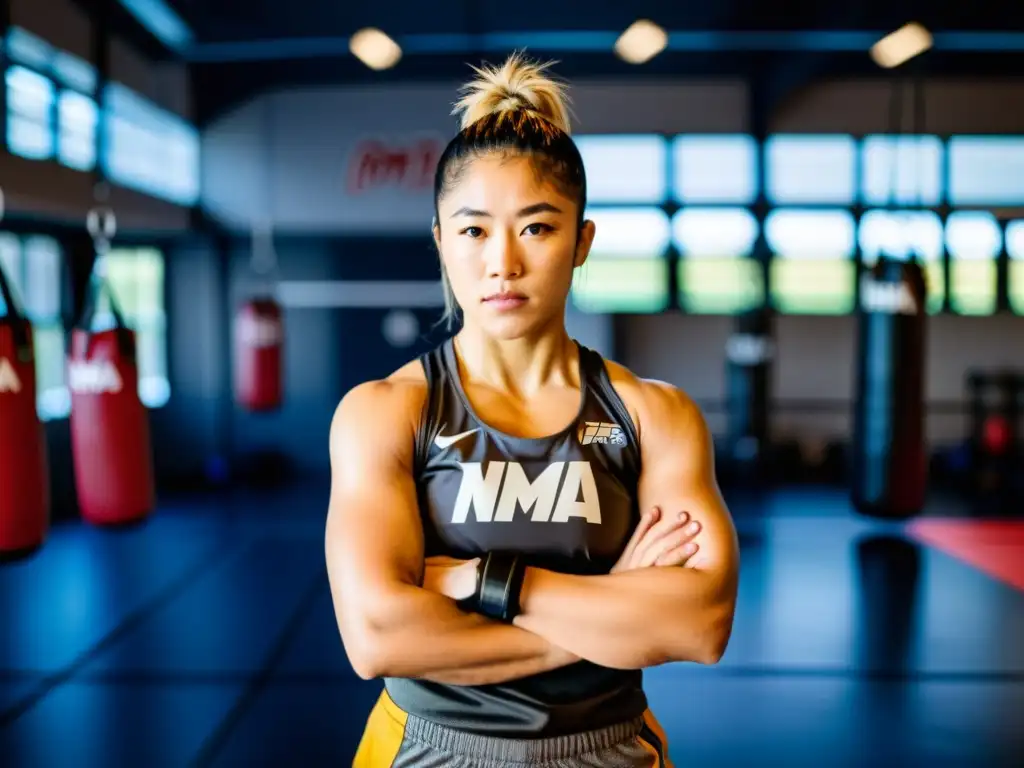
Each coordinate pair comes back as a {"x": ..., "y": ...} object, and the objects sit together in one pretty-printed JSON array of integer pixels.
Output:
[
  {"x": 101, "y": 224},
  {"x": 263, "y": 261},
  {"x": 20, "y": 327},
  {"x": 98, "y": 286},
  {"x": 17, "y": 319}
]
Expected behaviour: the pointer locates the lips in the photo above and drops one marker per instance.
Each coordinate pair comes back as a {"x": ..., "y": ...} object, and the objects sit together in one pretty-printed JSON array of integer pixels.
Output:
[
  {"x": 506, "y": 301},
  {"x": 507, "y": 296}
]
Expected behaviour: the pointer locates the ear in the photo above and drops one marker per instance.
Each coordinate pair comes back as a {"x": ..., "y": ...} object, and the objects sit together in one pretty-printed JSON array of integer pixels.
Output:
[
  {"x": 435, "y": 230},
  {"x": 583, "y": 242}
]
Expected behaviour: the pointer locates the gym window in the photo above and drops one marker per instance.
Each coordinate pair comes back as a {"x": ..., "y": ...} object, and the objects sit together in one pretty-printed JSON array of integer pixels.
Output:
[
  {"x": 810, "y": 169},
  {"x": 30, "y": 102},
  {"x": 716, "y": 273},
  {"x": 51, "y": 115},
  {"x": 905, "y": 170},
  {"x": 986, "y": 170},
  {"x": 78, "y": 117},
  {"x": 77, "y": 112},
  {"x": 149, "y": 149},
  {"x": 624, "y": 169},
  {"x": 813, "y": 267},
  {"x": 33, "y": 269},
  {"x": 136, "y": 278},
  {"x": 715, "y": 169},
  {"x": 29, "y": 49},
  {"x": 74, "y": 72},
  {"x": 1015, "y": 250},
  {"x": 974, "y": 240},
  {"x": 902, "y": 234},
  {"x": 627, "y": 270}
]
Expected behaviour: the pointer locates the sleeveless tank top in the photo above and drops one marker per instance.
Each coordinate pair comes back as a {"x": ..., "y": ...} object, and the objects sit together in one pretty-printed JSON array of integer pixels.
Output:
[{"x": 567, "y": 502}]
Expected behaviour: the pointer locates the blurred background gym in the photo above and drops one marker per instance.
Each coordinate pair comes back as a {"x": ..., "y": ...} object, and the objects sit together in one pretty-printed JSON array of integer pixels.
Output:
[{"x": 252, "y": 184}]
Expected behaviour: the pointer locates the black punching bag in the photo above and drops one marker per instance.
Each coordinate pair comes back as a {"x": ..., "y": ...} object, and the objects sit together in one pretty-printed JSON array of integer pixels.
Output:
[
  {"x": 749, "y": 353},
  {"x": 889, "y": 453}
]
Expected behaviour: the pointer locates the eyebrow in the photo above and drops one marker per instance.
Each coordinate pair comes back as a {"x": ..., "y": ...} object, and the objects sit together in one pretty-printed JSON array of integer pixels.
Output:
[{"x": 529, "y": 210}]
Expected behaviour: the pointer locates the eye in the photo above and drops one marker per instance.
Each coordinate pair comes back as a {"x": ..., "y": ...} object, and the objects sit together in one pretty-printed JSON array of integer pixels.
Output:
[
  {"x": 473, "y": 232},
  {"x": 538, "y": 229}
]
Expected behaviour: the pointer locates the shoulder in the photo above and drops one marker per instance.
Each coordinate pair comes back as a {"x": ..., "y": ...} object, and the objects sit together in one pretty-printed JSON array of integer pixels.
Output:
[
  {"x": 658, "y": 408},
  {"x": 386, "y": 409}
]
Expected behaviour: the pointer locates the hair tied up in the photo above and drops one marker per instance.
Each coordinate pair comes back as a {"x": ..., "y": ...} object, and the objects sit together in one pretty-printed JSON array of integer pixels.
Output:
[{"x": 518, "y": 84}]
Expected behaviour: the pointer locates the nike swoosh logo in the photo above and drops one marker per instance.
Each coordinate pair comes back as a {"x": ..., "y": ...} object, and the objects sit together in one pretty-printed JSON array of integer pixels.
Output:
[{"x": 443, "y": 442}]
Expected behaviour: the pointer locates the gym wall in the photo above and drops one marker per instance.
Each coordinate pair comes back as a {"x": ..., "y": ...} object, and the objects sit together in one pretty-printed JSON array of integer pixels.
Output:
[
  {"x": 52, "y": 196},
  {"x": 283, "y": 158},
  {"x": 817, "y": 354},
  {"x": 59, "y": 194}
]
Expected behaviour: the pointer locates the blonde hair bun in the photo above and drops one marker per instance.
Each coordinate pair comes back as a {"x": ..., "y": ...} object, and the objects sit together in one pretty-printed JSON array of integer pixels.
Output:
[{"x": 518, "y": 84}]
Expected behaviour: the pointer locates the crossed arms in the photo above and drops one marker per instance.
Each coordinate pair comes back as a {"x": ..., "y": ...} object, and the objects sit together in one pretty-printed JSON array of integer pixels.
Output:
[{"x": 392, "y": 627}]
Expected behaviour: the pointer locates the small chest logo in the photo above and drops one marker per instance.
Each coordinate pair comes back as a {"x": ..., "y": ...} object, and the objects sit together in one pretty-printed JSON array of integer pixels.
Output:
[{"x": 601, "y": 432}]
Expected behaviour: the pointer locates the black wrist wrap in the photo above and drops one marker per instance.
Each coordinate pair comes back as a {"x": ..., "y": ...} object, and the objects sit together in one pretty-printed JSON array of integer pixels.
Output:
[{"x": 499, "y": 584}]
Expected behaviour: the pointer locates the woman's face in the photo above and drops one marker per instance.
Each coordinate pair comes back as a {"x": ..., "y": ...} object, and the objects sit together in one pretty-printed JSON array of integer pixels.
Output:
[{"x": 508, "y": 240}]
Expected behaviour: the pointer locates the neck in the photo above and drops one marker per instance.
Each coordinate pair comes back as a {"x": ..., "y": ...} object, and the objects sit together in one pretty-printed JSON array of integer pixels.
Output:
[{"x": 520, "y": 366}]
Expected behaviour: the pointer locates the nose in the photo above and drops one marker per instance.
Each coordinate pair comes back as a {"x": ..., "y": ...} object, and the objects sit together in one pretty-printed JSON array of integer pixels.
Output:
[{"x": 503, "y": 259}]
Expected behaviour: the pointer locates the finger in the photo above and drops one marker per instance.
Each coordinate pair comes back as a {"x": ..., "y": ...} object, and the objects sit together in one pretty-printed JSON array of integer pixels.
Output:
[
  {"x": 669, "y": 524},
  {"x": 670, "y": 541},
  {"x": 678, "y": 555},
  {"x": 447, "y": 566},
  {"x": 647, "y": 521},
  {"x": 653, "y": 542}
]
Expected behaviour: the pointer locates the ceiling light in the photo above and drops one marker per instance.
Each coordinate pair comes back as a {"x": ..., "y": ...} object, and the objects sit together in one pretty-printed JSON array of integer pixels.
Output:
[
  {"x": 641, "y": 42},
  {"x": 375, "y": 49},
  {"x": 901, "y": 46}
]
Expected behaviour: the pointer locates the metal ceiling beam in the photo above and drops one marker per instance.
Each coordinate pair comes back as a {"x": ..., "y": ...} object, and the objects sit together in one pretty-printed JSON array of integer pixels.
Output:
[{"x": 563, "y": 42}]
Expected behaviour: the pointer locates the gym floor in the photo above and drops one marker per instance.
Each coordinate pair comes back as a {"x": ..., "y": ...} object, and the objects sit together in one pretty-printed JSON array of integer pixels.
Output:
[{"x": 206, "y": 637}]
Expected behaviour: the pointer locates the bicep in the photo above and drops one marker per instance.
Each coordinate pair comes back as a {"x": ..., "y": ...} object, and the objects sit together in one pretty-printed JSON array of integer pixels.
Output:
[
  {"x": 679, "y": 475},
  {"x": 374, "y": 537}
]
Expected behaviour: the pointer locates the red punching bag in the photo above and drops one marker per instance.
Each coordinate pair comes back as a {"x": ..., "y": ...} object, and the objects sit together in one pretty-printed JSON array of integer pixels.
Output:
[
  {"x": 24, "y": 472},
  {"x": 259, "y": 354},
  {"x": 109, "y": 424}
]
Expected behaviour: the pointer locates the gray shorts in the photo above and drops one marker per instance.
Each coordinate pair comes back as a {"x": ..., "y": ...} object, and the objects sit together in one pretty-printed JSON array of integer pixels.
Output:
[{"x": 394, "y": 739}]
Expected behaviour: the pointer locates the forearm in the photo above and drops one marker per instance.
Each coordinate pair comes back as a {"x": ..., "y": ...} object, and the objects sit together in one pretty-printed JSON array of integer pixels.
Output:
[
  {"x": 420, "y": 634},
  {"x": 629, "y": 620}
]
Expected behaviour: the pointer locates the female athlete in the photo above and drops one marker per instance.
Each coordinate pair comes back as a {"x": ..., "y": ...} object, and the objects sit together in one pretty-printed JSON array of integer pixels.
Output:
[{"x": 485, "y": 544}]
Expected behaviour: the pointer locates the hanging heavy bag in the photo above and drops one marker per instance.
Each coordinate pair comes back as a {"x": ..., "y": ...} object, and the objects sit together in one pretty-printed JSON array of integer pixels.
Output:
[
  {"x": 749, "y": 353},
  {"x": 110, "y": 436},
  {"x": 259, "y": 354},
  {"x": 889, "y": 452},
  {"x": 24, "y": 471}
]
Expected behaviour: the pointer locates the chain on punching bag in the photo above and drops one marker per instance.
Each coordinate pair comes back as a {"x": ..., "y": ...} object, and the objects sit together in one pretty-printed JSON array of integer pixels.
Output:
[{"x": 889, "y": 447}]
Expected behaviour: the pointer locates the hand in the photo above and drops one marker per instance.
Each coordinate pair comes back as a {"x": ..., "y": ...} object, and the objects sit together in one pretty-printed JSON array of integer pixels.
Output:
[
  {"x": 450, "y": 577},
  {"x": 660, "y": 540}
]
